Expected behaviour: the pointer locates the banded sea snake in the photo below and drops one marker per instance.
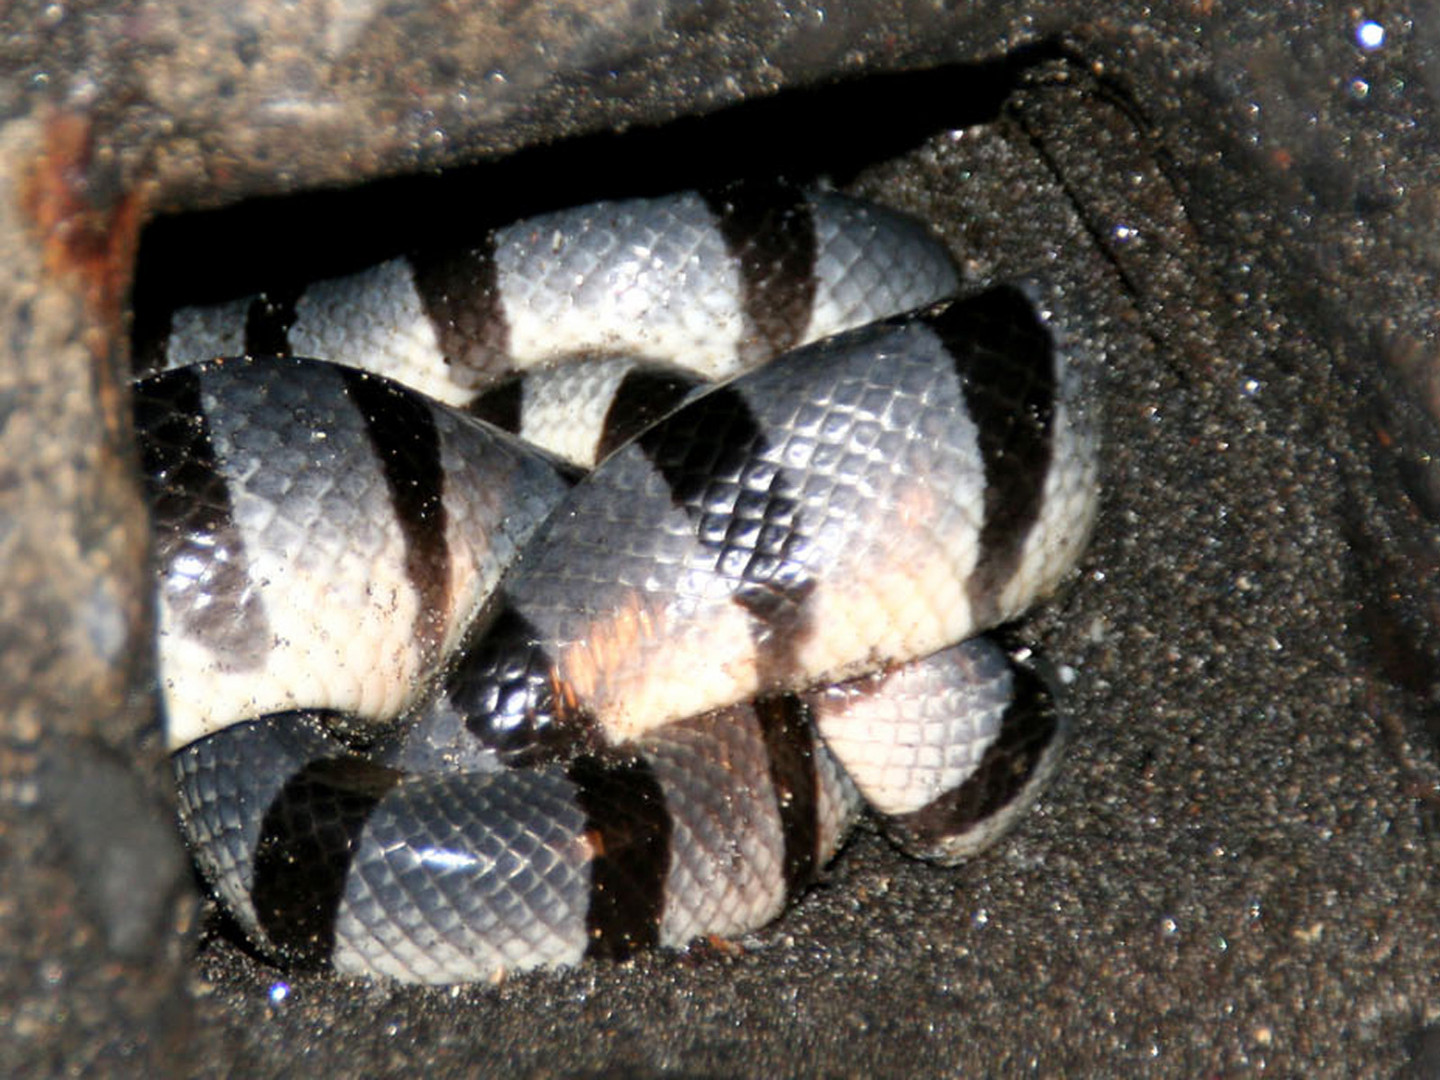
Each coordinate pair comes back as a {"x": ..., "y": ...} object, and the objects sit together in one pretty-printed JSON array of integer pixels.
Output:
[{"x": 634, "y": 707}]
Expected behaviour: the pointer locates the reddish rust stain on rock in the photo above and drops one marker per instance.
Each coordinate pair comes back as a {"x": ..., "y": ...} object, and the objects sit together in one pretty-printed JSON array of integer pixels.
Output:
[
  {"x": 87, "y": 234},
  {"x": 88, "y": 227}
]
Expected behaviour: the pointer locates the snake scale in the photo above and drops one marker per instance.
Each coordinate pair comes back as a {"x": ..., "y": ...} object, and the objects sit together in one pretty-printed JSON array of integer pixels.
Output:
[{"x": 447, "y": 702}]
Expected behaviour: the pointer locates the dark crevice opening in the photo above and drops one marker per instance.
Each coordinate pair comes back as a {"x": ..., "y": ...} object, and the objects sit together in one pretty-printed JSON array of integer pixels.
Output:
[{"x": 827, "y": 134}]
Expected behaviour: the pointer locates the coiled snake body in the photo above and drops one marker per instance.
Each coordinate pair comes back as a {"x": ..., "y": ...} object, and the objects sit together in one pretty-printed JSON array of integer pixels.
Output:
[{"x": 441, "y": 710}]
